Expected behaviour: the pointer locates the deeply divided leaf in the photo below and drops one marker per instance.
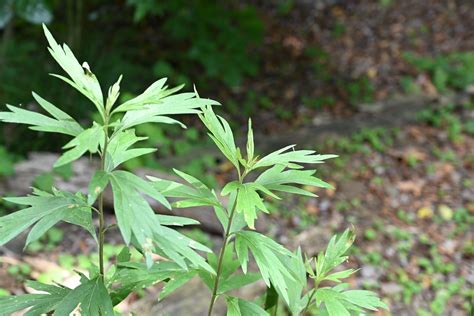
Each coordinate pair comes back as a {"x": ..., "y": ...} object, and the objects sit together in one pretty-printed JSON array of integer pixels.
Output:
[
  {"x": 270, "y": 257},
  {"x": 44, "y": 212}
]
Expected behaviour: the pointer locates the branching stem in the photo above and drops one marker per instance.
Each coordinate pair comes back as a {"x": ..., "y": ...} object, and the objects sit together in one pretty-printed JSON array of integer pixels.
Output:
[
  {"x": 227, "y": 235},
  {"x": 315, "y": 287},
  {"x": 102, "y": 227}
]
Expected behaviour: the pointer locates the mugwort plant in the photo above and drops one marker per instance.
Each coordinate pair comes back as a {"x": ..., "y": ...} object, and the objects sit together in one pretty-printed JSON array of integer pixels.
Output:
[{"x": 299, "y": 284}]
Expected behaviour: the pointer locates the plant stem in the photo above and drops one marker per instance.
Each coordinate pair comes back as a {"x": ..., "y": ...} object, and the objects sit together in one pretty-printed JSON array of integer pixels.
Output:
[
  {"x": 227, "y": 235},
  {"x": 102, "y": 228},
  {"x": 101, "y": 235},
  {"x": 275, "y": 310},
  {"x": 221, "y": 257},
  {"x": 315, "y": 287}
]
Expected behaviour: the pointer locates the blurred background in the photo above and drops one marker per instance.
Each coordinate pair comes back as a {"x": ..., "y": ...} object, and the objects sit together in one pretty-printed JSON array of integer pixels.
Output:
[{"x": 387, "y": 85}]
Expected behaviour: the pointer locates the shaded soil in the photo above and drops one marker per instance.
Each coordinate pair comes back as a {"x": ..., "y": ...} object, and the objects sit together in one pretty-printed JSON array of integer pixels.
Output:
[{"x": 327, "y": 56}]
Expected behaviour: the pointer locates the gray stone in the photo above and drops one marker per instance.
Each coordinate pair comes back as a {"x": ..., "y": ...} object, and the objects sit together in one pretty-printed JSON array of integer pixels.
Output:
[{"x": 391, "y": 288}]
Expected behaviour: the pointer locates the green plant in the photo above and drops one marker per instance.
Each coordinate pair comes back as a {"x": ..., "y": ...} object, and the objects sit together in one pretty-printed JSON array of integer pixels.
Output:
[
  {"x": 451, "y": 71},
  {"x": 32, "y": 11},
  {"x": 222, "y": 34},
  {"x": 318, "y": 102},
  {"x": 6, "y": 168},
  {"x": 112, "y": 137},
  {"x": 409, "y": 85},
  {"x": 338, "y": 29},
  {"x": 378, "y": 138},
  {"x": 444, "y": 117},
  {"x": 360, "y": 90},
  {"x": 4, "y": 292},
  {"x": 21, "y": 271}
]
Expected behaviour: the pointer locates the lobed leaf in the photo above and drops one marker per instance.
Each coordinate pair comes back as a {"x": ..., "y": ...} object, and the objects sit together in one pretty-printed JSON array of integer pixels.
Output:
[
  {"x": 240, "y": 307},
  {"x": 87, "y": 140},
  {"x": 157, "y": 110},
  {"x": 279, "y": 179},
  {"x": 270, "y": 257},
  {"x": 296, "y": 284},
  {"x": 113, "y": 94},
  {"x": 198, "y": 194},
  {"x": 286, "y": 157},
  {"x": 82, "y": 79},
  {"x": 60, "y": 122},
  {"x": 89, "y": 298},
  {"x": 134, "y": 214},
  {"x": 46, "y": 211},
  {"x": 221, "y": 133},
  {"x": 138, "y": 222},
  {"x": 152, "y": 95},
  {"x": 97, "y": 185},
  {"x": 119, "y": 151},
  {"x": 131, "y": 277},
  {"x": 38, "y": 304},
  {"x": 177, "y": 281},
  {"x": 248, "y": 199},
  {"x": 338, "y": 302},
  {"x": 168, "y": 220},
  {"x": 230, "y": 278},
  {"x": 335, "y": 251}
]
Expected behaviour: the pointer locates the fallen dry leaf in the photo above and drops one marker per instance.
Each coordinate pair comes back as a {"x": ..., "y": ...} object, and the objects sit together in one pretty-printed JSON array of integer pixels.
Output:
[
  {"x": 411, "y": 186},
  {"x": 425, "y": 212}
]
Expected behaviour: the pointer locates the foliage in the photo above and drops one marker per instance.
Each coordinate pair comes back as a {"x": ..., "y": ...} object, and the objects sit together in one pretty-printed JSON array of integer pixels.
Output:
[
  {"x": 212, "y": 46},
  {"x": 112, "y": 137},
  {"x": 447, "y": 118},
  {"x": 451, "y": 71},
  {"x": 220, "y": 41},
  {"x": 360, "y": 90},
  {"x": 6, "y": 168},
  {"x": 32, "y": 11}
]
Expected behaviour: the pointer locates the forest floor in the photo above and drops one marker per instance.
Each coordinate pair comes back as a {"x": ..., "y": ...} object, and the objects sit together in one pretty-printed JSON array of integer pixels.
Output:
[
  {"x": 409, "y": 192},
  {"x": 326, "y": 57},
  {"x": 410, "y": 195}
]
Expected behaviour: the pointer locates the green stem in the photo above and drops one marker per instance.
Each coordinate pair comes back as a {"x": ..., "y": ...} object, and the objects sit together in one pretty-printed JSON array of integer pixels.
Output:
[
  {"x": 221, "y": 257},
  {"x": 315, "y": 287},
  {"x": 102, "y": 227},
  {"x": 101, "y": 235}
]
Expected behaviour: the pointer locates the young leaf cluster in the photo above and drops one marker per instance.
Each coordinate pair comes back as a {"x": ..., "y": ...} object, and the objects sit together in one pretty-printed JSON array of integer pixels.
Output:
[{"x": 337, "y": 300}]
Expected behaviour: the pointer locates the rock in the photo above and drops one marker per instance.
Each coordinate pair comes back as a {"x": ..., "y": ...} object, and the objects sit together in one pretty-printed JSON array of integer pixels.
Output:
[
  {"x": 468, "y": 195},
  {"x": 370, "y": 272},
  {"x": 448, "y": 247},
  {"x": 311, "y": 241},
  {"x": 404, "y": 198},
  {"x": 379, "y": 170},
  {"x": 324, "y": 205},
  {"x": 390, "y": 252},
  {"x": 391, "y": 288}
]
